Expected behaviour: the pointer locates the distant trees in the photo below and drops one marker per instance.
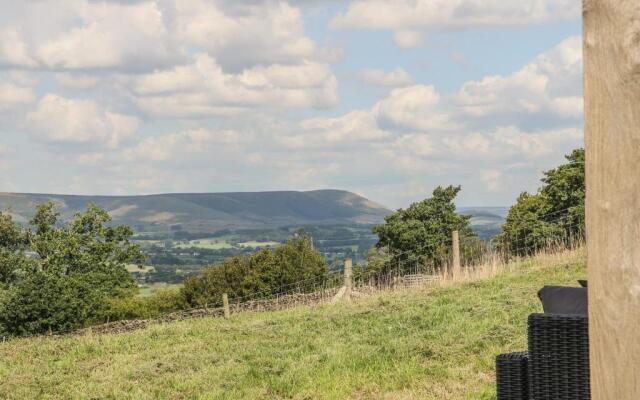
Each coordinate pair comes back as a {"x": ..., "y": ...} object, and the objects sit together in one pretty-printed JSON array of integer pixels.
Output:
[
  {"x": 420, "y": 235},
  {"x": 293, "y": 265},
  {"x": 553, "y": 215},
  {"x": 57, "y": 277}
]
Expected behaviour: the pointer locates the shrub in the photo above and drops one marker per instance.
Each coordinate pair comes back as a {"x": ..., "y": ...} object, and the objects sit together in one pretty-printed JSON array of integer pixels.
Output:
[
  {"x": 161, "y": 302},
  {"x": 48, "y": 303},
  {"x": 263, "y": 274}
]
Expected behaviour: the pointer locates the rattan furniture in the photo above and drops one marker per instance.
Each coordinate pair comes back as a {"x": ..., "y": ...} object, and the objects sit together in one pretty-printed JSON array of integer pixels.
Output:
[
  {"x": 557, "y": 361},
  {"x": 512, "y": 377}
]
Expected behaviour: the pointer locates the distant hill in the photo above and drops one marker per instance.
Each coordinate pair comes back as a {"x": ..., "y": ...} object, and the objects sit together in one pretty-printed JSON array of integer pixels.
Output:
[
  {"x": 211, "y": 212},
  {"x": 485, "y": 221}
]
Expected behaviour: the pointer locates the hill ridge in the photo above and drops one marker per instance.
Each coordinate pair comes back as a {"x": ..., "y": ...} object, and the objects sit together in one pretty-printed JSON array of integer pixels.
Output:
[{"x": 211, "y": 211}]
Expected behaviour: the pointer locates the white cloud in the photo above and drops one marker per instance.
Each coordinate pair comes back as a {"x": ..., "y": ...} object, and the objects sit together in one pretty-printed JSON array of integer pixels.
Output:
[
  {"x": 352, "y": 128},
  {"x": 511, "y": 141},
  {"x": 57, "y": 119},
  {"x": 13, "y": 49},
  {"x": 408, "y": 17},
  {"x": 492, "y": 178},
  {"x": 77, "y": 80},
  {"x": 144, "y": 35},
  {"x": 406, "y": 38},
  {"x": 110, "y": 35},
  {"x": 414, "y": 108},
  {"x": 377, "y": 77},
  {"x": 242, "y": 34},
  {"x": 468, "y": 145},
  {"x": 415, "y": 144},
  {"x": 181, "y": 146},
  {"x": 551, "y": 84},
  {"x": 203, "y": 88},
  {"x": 80, "y": 34},
  {"x": 243, "y": 90},
  {"x": 13, "y": 95}
]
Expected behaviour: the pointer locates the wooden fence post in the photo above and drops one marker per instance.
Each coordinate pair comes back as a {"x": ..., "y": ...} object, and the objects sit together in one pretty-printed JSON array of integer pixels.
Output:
[
  {"x": 346, "y": 291},
  {"x": 225, "y": 305},
  {"x": 612, "y": 135},
  {"x": 455, "y": 240},
  {"x": 348, "y": 278}
]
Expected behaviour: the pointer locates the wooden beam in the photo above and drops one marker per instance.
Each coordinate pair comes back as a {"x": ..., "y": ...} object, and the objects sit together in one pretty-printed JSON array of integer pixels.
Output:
[
  {"x": 348, "y": 278},
  {"x": 456, "y": 266},
  {"x": 225, "y": 305},
  {"x": 612, "y": 134}
]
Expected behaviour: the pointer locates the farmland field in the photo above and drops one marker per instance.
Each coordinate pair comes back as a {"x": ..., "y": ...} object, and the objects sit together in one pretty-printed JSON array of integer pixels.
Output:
[
  {"x": 210, "y": 244},
  {"x": 253, "y": 243}
]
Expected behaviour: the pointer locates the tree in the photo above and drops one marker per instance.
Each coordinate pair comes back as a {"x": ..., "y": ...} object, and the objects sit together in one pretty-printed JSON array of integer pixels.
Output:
[
  {"x": 294, "y": 265},
  {"x": 57, "y": 276},
  {"x": 524, "y": 231},
  {"x": 421, "y": 234},
  {"x": 555, "y": 214},
  {"x": 12, "y": 243},
  {"x": 564, "y": 191}
]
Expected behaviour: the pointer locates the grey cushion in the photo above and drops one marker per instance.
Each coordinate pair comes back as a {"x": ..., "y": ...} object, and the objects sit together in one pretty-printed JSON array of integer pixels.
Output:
[{"x": 564, "y": 300}]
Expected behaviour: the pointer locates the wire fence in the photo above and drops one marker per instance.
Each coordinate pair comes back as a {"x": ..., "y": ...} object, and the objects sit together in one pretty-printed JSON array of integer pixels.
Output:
[{"x": 398, "y": 273}]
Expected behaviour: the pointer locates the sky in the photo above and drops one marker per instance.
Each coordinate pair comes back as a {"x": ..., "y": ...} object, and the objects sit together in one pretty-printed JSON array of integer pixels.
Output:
[{"x": 386, "y": 98}]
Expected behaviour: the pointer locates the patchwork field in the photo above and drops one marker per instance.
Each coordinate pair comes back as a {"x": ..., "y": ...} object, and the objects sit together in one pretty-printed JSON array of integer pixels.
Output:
[
  {"x": 211, "y": 244},
  {"x": 434, "y": 343}
]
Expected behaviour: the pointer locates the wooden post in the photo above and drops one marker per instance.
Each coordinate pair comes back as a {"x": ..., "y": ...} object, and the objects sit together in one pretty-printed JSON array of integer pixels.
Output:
[
  {"x": 612, "y": 135},
  {"x": 455, "y": 240},
  {"x": 225, "y": 305},
  {"x": 348, "y": 278}
]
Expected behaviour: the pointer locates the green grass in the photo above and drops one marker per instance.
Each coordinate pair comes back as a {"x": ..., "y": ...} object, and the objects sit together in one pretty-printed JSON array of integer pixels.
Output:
[{"x": 437, "y": 343}]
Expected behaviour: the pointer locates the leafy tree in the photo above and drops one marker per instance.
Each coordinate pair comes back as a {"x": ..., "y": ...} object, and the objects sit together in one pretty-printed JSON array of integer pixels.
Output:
[
  {"x": 421, "y": 234},
  {"x": 261, "y": 274},
  {"x": 58, "y": 276},
  {"x": 564, "y": 191},
  {"x": 554, "y": 214},
  {"x": 12, "y": 241},
  {"x": 524, "y": 230}
]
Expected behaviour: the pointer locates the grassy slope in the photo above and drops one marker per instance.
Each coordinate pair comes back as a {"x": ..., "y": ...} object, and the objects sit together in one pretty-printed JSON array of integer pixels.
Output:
[{"x": 438, "y": 343}]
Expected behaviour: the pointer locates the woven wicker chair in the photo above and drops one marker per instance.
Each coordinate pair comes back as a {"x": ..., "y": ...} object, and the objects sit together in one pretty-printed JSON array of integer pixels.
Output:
[
  {"x": 556, "y": 365},
  {"x": 512, "y": 376}
]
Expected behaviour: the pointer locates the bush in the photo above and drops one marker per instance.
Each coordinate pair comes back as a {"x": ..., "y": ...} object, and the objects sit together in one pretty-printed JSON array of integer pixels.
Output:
[
  {"x": 264, "y": 273},
  {"x": 48, "y": 303},
  {"x": 161, "y": 302}
]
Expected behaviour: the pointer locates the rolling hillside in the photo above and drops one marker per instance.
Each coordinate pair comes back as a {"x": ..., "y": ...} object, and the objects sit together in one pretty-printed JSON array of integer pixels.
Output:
[
  {"x": 212, "y": 212},
  {"x": 433, "y": 343},
  {"x": 215, "y": 212}
]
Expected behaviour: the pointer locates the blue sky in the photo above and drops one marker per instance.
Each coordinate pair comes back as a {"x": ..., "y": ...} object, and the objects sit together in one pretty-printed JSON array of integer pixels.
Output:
[{"x": 384, "y": 98}]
